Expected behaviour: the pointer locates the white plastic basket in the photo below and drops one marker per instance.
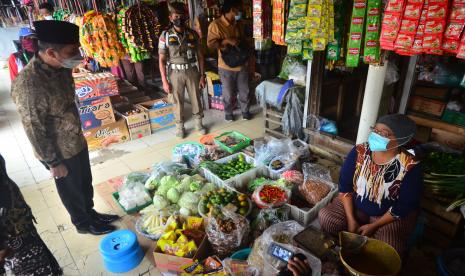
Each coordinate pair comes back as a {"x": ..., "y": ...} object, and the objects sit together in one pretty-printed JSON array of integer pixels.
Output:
[
  {"x": 305, "y": 217},
  {"x": 238, "y": 182}
]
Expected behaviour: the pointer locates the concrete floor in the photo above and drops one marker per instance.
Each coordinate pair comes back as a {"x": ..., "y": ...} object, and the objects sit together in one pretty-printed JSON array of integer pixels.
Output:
[{"x": 78, "y": 254}]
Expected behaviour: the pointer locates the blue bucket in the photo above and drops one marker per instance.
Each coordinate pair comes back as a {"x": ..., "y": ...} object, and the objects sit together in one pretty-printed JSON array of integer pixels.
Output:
[
  {"x": 241, "y": 254},
  {"x": 121, "y": 251}
]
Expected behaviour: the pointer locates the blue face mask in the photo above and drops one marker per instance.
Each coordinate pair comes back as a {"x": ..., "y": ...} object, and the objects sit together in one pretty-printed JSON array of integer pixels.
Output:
[
  {"x": 238, "y": 16},
  {"x": 377, "y": 142}
]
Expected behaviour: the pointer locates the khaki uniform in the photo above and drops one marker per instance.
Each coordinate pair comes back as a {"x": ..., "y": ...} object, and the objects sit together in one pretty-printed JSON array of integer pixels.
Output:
[{"x": 181, "y": 52}]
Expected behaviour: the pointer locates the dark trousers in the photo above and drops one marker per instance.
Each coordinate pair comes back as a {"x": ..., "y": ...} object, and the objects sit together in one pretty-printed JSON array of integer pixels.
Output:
[
  {"x": 134, "y": 72},
  {"x": 75, "y": 190},
  {"x": 233, "y": 83}
]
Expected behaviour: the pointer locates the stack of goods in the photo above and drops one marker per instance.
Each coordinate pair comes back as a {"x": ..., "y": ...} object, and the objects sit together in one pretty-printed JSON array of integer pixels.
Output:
[
  {"x": 279, "y": 19},
  {"x": 310, "y": 27},
  {"x": 371, "y": 25},
  {"x": 138, "y": 30},
  {"x": 160, "y": 114},
  {"x": 101, "y": 127},
  {"x": 334, "y": 47},
  {"x": 434, "y": 27},
  {"x": 99, "y": 39},
  {"x": 261, "y": 19},
  {"x": 137, "y": 119}
]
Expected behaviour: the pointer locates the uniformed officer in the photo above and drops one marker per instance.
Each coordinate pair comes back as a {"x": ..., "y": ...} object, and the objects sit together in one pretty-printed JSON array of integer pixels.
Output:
[{"x": 182, "y": 66}]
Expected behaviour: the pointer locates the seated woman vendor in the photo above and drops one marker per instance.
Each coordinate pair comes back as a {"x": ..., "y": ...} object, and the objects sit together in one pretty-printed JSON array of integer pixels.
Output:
[{"x": 380, "y": 186}]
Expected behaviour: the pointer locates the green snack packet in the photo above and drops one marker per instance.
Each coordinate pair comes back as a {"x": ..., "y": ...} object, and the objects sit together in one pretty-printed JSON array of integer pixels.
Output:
[
  {"x": 371, "y": 52},
  {"x": 307, "y": 54},
  {"x": 295, "y": 48},
  {"x": 356, "y": 31}
]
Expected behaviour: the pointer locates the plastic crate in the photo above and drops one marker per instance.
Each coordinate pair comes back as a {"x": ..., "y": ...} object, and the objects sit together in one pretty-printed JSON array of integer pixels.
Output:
[
  {"x": 238, "y": 182},
  {"x": 305, "y": 217},
  {"x": 237, "y": 135},
  {"x": 115, "y": 196},
  {"x": 454, "y": 117}
]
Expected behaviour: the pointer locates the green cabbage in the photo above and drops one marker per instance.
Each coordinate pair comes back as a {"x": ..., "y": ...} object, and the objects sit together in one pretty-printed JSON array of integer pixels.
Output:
[
  {"x": 166, "y": 183},
  {"x": 207, "y": 187},
  {"x": 173, "y": 195},
  {"x": 159, "y": 202},
  {"x": 195, "y": 186},
  {"x": 151, "y": 183}
]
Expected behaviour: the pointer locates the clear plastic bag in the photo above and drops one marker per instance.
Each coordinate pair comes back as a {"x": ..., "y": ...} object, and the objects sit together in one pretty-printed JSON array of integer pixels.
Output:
[
  {"x": 227, "y": 234},
  {"x": 239, "y": 268},
  {"x": 278, "y": 202},
  {"x": 283, "y": 234},
  {"x": 298, "y": 73},
  {"x": 316, "y": 170},
  {"x": 265, "y": 152},
  {"x": 314, "y": 189},
  {"x": 136, "y": 177},
  {"x": 289, "y": 63},
  {"x": 133, "y": 194},
  {"x": 282, "y": 163},
  {"x": 267, "y": 217}
]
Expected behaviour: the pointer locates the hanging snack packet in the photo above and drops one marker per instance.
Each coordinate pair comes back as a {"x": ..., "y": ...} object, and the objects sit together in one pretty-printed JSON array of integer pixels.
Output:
[
  {"x": 391, "y": 23},
  {"x": 371, "y": 50},
  {"x": 356, "y": 31},
  {"x": 294, "y": 48}
]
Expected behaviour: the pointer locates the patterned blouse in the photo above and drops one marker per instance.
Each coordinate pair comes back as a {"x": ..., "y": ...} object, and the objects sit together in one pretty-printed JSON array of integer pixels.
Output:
[{"x": 395, "y": 186}]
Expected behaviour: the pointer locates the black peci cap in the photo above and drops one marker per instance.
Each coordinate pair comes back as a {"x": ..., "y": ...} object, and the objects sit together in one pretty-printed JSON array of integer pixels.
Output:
[{"x": 57, "y": 32}]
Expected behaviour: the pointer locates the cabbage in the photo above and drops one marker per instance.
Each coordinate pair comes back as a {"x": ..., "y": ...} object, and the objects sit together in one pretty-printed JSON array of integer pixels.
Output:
[
  {"x": 151, "y": 183},
  {"x": 159, "y": 202},
  {"x": 185, "y": 184},
  {"x": 166, "y": 183},
  {"x": 195, "y": 186},
  {"x": 185, "y": 212},
  {"x": 173, "y": 195}
]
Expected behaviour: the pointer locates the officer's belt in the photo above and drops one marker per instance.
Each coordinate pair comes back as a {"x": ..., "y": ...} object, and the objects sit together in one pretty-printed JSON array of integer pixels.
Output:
[{"x": 182, "y": 66}]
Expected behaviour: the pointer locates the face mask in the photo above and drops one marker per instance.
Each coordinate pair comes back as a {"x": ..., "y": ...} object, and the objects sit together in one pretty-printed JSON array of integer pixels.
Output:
[
  {"x": 238, "y": 16},
  {"x": 48, "y": 17},
  {"x": 377, "y": 142},
  {"x": 72, "y": 62},
  {"x": 179, "y": 22},
  {"x": 29, "y": 45}
]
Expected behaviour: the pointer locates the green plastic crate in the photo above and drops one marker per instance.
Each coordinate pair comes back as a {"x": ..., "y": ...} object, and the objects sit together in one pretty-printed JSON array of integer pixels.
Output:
[
  {"x": 237, "y": 135},
  {"x": 454, "y": 117},
  {"x": 115, "y": 196}
]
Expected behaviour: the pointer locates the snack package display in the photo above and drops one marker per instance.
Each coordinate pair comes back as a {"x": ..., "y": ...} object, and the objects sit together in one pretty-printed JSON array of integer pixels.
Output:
[
  {"x": 319, "y": 25},
  {"x": 371, "y": 50},
  {"x": 226, "y": 231},
  {"x": 356, "y": 32},
  {"x": 279, "y": 10},
  {"x": 391, "y": 23},
  {"x": 334, "y": 47},
  {"x": 454, "y": 29}
]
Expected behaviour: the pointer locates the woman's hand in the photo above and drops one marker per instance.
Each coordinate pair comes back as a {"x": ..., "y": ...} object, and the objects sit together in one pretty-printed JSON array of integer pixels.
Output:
[
  {"x": 353, "y": 226},
  {"x": 298, "y": 267},
  {"x": 368, "y": 229}
]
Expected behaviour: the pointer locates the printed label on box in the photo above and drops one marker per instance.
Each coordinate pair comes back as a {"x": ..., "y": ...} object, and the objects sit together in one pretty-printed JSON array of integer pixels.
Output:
[
  {"x": 96, "y": 113},
  {"x": 104, "y": 136},
  {"x": 93, "y": 86}
]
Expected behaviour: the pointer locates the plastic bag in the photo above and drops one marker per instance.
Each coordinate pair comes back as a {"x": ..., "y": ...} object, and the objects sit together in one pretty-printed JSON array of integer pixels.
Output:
[
  {"x": 133, "y": 194},
  {"x": 136, "y": 177},
  {"x": 239, "y": 268},
  {"x": 316, "y": 170},
  {"x": 289, "y": 64},
  {"x": 392, "y": 74},
  {"x": 293, "y": 176},
  {"x": 265, "y": 152},
  {"x": 267, "y": 217},
  {"x": 314, "y": 189},
  {"x": 283, "y": 234},
  {"x": 328, "y": 126},
  {"x": 282, "y": 163},
  {"x": 162, "y": 169},
  {"x": 298, "y": 73},
  {"x": 270, "y": 196},
  {"x": 226, "y": 233},
  {"x": 447, "y": 74}
]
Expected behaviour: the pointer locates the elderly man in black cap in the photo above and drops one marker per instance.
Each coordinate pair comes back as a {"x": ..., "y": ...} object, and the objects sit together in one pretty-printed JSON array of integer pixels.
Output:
[{"x": 45, "y": 97}]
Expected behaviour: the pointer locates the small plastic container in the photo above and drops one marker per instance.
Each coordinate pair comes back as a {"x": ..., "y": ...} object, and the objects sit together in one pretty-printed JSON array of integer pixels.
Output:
[
  {"x": 120, "y": 251},
  {"x": 236, "y": 135},
  {"x": 115, "y": 196}
]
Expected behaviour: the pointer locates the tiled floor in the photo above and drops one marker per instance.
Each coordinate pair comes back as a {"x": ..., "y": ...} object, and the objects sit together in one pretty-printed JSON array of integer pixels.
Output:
[{"x": 78, "y": 254}]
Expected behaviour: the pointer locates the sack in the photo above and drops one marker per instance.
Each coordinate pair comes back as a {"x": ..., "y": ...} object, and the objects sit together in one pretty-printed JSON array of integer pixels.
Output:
[{"x": 235, "y": 56}]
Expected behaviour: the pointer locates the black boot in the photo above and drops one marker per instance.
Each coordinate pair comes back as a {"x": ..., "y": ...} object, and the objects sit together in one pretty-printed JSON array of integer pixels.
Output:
[{"x": 103, "y": 218}]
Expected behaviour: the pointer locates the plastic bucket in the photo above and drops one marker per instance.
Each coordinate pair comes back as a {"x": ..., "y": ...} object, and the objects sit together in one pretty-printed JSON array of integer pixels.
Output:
[{"x": 120, "y": 251}]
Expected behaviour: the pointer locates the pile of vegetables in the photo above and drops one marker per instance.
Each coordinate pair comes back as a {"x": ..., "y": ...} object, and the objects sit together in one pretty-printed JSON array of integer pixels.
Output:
[
  {"x": 257, "y": 182},
  {"x": 223, "y": 197},
  {"x": 138, "y": 30},
  {"x": 99, "y": 38},
  {"x": 268, "y": 196},
  {"x": 184, "y": 192},
  {"x": 230, "y": 169},
  {"x": 444, "y": 178}
]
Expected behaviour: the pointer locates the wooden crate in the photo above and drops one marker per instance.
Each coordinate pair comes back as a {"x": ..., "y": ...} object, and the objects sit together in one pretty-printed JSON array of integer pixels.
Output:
[{"x": 272, "y": 122}]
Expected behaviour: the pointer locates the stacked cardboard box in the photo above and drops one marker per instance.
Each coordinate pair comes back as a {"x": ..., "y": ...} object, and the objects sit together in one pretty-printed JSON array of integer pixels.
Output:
[
  {"x": 160, "y": 113},
  {"x": 137, "y": 119},
  {"x": 101, "y": 127}
]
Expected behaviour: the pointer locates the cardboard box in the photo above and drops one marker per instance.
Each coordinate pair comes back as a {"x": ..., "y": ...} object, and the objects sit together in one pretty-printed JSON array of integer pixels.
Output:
[
  {"x": 93, "y": 86},
  {"x": 95, "y": 113},
  {"x": 104, "y": 136},
  {"x": 427, "y": 106},
  {"x": 160, "y": 113},
  {"x": 138, "y": 123},
  {"x": 169, "y": 263}
]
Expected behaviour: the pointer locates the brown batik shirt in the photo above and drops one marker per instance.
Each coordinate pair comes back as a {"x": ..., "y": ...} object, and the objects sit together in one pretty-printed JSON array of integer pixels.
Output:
[{"x": 45, "y": 99}]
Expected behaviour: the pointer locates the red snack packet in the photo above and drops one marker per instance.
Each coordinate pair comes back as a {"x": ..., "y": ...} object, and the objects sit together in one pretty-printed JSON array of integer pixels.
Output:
[
  {"x": 457, "y": 14},
  {"x": 391, "y": 20},
  {"x": 431, "y": 42},
  {"x": 434, "y": 27},
  {"x": 395, "y": 6},
  {"x": 461, "y": 52},
  {"x": 451, "y": 45},
  {"x": 437, "y": 11},
  {"x": 413, "y": 11},
  {"x": 404, "y": 41},
  {"x": 409, "y": 26},
  {"x": 454, "y": 30}
]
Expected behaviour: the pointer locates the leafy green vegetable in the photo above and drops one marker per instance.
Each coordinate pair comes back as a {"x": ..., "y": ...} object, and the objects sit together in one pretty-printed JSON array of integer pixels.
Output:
[
  {"x": 173, "y": 195},
  {"x": 166, "y": 183},
  {"x": 159, "y": 202}
]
